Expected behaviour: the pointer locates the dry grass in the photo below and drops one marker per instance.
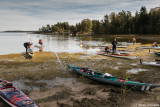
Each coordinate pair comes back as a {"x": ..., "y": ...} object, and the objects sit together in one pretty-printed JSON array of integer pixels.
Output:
[{"x": 45, "y": 65}]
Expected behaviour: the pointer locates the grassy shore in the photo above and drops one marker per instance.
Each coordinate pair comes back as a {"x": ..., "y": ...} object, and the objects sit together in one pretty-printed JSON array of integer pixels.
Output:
[{"x": 49, "y": 82}]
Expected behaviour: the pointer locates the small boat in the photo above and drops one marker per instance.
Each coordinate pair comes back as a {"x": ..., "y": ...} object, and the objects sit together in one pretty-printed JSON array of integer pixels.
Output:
[
  {"x": 121, "y": 51},
  {"x": 121, "y": 46},
  {"x": 155, "y": 48},
  {"x": 150, "y": 63},
  {"x": 118, "y": 46},
  {"x": 13, "y": 96},
  {"x": 157, "y": 53},
  {"x": 147, "y": 47},
  {"x": 29, "y": 55},
  {"x": 109, "y": 79},
  {"x": 127, "y": 43},
  {"x": 117, "y": 55},
  {"x": 143, "y": 47}
]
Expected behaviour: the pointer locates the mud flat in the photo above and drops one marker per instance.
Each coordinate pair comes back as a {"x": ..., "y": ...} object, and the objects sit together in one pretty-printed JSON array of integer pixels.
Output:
[{"x": 51, "y": 84}]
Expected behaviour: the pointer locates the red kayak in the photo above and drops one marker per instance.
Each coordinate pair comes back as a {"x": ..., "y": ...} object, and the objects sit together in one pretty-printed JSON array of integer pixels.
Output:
[{"x": 13, "y": 96}]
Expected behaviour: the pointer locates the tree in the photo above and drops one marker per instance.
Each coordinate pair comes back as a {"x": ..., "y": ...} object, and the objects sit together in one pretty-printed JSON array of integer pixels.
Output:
[
  {"x": 112, "y": 19},
  {"x": 122, "y": 23},
  {"x": 86, "y": 25},
  {"x": 55, "y": 28},
  {"x": 158, "y": 27},
  {"x": 73, "y": 30},
  {"x": 143, "y": 20},
  {"x": 48, "y": 28}
]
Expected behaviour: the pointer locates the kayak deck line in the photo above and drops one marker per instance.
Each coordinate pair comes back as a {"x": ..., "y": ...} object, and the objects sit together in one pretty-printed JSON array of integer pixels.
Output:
[{"x": 113, "y": 80}]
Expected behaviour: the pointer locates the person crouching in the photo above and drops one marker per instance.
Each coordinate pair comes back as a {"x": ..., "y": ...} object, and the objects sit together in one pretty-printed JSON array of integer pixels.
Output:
[{"x": 27, "y": 45}]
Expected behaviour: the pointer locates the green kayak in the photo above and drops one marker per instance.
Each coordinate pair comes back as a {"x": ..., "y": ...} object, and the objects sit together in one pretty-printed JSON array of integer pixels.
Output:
[{"x": 109, "y": 79}]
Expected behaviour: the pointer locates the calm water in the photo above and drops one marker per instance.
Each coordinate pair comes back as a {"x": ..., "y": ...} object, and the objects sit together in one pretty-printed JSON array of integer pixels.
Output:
[{"x": 13, "y": 42}]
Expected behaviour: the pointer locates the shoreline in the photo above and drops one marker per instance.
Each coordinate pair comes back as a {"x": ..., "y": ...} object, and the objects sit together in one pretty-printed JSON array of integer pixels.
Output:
[
  {"x": 50, "y": 84},
  {"x": 117, "y": 35}
]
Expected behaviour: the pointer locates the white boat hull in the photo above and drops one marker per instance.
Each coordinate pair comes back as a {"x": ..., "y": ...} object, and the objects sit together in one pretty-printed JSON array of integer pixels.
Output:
[
  {"x": 151, "y": 63},
  {"x": 147, "y": 47},
  {"x": 124, "y": 57},
  {"x": 116, "y": 46},
  {"x": 126, "y": 43}
]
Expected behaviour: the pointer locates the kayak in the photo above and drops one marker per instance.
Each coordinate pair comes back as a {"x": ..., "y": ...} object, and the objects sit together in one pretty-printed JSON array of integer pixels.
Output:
[
  {"x": 157, "y": 53},
  {"x": 119, "y": 46},
  {"x": 121, "y": 51},
  {"x": 109, "y": 79},
  {"x": 150, "y": 63},
  {"x": 125, "y": 56},
  {"x": 13, "y": 96},
  {"x": 143, "y": 47},
  {"x": 29, "y": 55},
  {"x": 127, "y": 43},
  {"x": 154, "y": 47},
  {"x": 147, "y": 47}
]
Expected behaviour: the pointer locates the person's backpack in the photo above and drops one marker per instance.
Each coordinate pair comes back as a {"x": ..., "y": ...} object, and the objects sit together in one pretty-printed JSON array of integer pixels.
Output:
[{"x": 26, "y": 44}]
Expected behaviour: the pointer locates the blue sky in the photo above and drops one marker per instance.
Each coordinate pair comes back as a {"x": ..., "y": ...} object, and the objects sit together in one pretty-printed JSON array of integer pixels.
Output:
[{"x": 33, "y": 14}]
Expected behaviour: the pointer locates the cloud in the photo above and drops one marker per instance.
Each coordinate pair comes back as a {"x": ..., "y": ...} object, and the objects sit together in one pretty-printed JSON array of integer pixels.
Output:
[{"x": 32, "y": 14}]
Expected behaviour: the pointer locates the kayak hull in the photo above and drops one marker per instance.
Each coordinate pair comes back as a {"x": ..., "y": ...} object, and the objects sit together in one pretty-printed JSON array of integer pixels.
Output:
[
  {"x": 157, "y": 53},
  {"x": 147, "y": 47},
  {"x": 126, "y": 43},
  {"x": 13, "y": 96},
  {"x": 116, "y": 46},
  {"x": 115, "y": 81},
  {"x": 151, "y": 63},
  {"x": 9, "y": 103},
  {"x": 124, "y": 56}
]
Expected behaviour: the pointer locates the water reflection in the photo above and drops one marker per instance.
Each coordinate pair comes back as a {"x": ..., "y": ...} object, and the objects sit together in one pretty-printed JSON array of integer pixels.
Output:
[{"x": 13, "y": 42}]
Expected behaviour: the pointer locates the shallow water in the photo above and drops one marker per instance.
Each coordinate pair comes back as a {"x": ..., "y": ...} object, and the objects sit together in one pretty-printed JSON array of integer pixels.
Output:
[
  {"x": 20, "y": 84},
  {"x": 136, "y": 70},
  {"x": 13, "y": 42},
  {"x": 60, "y": 81}
]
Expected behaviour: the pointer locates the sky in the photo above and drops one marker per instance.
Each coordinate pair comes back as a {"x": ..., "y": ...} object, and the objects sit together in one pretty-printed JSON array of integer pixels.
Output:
[{"x": 33, "y": 14}]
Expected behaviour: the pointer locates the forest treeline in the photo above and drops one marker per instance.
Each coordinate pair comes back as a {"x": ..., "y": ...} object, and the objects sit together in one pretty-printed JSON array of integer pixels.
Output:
[{"x": 142, "y": 22}]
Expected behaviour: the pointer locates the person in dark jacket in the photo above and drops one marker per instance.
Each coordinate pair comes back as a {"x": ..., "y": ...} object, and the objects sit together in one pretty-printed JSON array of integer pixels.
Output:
[
  {"x": 114, "y": 43},
  {"x": 27, "y": 45}
]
